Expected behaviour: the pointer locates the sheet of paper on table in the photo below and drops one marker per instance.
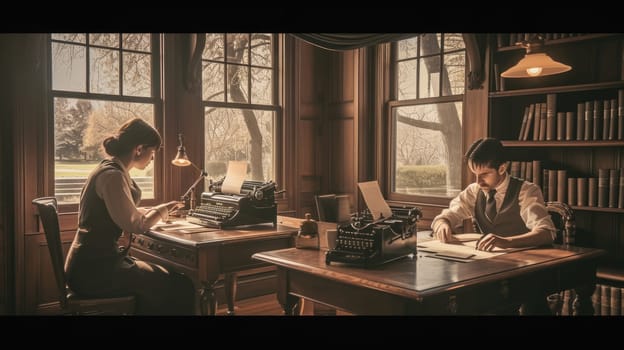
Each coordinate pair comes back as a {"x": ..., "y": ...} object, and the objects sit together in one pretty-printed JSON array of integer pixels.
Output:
[
  {"x": 462, "y": 250},
  {"x": 180, "y": 226}
]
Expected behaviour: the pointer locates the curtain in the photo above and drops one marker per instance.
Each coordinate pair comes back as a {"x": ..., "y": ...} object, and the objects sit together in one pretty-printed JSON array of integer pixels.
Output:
[{"x": 348, "y": 41}]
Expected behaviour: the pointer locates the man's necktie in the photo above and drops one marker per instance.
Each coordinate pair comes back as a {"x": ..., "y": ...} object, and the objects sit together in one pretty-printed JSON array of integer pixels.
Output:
[{"x": 490, "y": 206}]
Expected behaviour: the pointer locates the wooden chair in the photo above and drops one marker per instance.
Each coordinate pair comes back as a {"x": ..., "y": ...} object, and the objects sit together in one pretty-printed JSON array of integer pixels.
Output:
[
  {"x": 70, "y": 302},
  {"x": 333, "y": 208},
  {"x": 563, "y": 218}
]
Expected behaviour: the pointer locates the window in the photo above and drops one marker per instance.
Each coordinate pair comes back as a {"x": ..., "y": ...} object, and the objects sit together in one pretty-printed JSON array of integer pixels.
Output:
[
  {"x": 239, "y": 79},
  {"x": 99, "y": 81},
  {"x": 426, "y": 116}
]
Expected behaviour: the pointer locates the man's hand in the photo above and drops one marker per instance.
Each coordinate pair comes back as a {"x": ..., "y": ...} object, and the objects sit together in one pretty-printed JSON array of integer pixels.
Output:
[
  {"x": 491, "y": 241},
  {"x": 444, "y": 233}
]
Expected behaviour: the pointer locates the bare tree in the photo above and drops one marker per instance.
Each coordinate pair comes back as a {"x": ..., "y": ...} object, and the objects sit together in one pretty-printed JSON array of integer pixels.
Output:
[{"x": 448, "y": 124}]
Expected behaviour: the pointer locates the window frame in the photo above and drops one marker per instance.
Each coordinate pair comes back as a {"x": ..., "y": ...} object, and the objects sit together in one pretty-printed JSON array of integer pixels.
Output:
[
  {"x": 276, "y": 106},
  {"x": 394, "y": 103},
  {"x": 155, "y": 99}
]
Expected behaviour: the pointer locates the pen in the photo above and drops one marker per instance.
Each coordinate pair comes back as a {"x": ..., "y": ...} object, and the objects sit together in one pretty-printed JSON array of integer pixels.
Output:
[{"x": 482, "y": 234}]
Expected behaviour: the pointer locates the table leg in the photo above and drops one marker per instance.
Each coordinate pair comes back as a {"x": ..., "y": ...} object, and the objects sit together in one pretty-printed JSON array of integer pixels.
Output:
[
  {"x": 291, "y": 305},
  {"x": 208, "y": 298},
  {"x": 230, "y": 291}
]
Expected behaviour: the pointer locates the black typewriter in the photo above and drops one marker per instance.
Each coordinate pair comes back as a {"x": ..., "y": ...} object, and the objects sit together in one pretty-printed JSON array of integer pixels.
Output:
[
  {"x": 367, "y": 242},
  {"x": 254, "y": 205}
]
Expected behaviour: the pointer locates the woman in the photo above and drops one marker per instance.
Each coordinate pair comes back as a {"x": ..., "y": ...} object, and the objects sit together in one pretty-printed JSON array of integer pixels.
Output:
[{"x": 95, "y": 265}]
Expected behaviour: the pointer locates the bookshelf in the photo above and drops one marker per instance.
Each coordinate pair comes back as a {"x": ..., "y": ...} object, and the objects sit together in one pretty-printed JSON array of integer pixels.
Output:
[{"x": 589, "y": 89}]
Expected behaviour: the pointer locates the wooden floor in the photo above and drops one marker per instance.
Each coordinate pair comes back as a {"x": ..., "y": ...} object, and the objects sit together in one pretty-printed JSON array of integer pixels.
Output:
[{"x": 267, "y": 305}]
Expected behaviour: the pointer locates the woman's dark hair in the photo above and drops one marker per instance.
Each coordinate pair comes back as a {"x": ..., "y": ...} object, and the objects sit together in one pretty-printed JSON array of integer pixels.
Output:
[
  {"x": 133, "y": 133},
  {"x": 487, "y": 152}
]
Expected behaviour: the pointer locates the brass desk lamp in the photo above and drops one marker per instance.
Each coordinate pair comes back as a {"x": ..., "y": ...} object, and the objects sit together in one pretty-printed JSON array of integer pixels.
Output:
[{"x": 182, "y": 160}]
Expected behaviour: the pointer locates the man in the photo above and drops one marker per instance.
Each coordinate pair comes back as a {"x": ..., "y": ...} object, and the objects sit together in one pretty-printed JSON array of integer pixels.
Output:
[{"x": 509, "y": 211}]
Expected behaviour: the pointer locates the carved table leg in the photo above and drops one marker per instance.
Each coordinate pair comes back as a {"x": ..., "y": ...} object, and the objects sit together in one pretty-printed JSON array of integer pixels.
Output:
[
  {"x": 582, "y": 303},
  {"x": 230, "y": 291},
  {"x": 291, "y": 305},
  {"x": 208, "y": 298}
]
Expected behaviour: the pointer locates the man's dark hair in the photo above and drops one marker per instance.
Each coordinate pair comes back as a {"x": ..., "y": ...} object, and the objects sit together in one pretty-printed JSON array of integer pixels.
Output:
[{"x": 487, "y": 152}]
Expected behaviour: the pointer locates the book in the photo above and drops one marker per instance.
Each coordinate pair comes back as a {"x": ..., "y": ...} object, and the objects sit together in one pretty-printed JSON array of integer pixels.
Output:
[
  {"x": 515, "y": 168},
  {"x": 605, "y": 303},
  {"x": 523, "y": 170},
  {"x": 570, "y": 123},
  {"x": 614, "y": 182},
  {"x": 589, "y": 116},
  {"x": 597, "y": 120},
  {"x": 552, "y": 185},
  {"x": 620, "y": 118},
  {"x": 603, "y": 188},
  {"x": 613, "y": 120},
  {"x": 580, "y": 121},
  {"x": 528, "y": 174},
  {"x": 542, "y": 127},
  {"x": 581, "y": 193},
  {"x": 606, "y": 119},
  {"x": 523, "y": 125},
  {"x": 536, "y": 121},
  {"x": 592, "y": 192},
  {"x": 551, "y": 115},
  {"x": 529, "y": 121},
  {"x": 616, "y": 301},
  {"x": 537, "y": 172}
]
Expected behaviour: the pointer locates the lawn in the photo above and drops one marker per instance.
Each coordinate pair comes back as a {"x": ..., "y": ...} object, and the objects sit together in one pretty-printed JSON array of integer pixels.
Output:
[{"x": 82, "y": 169}]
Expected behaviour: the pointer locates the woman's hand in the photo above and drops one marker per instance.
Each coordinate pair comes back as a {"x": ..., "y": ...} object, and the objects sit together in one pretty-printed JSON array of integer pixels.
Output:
[{"x": 175, "y": 205}]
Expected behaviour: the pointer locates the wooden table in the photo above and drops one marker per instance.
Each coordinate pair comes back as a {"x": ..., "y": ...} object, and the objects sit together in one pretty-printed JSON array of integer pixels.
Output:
[
  {"x": 431, "y": 286},
  {"x": 203, "y": 256}
]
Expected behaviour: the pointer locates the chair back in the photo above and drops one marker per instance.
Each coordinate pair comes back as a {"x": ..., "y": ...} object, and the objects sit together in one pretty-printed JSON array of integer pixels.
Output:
[
  {"x": 326, "y": 207},
  {"x": 47, "y": 207},
  {"x": 333, "y": 208},
  {"x": 70, "y": 302},
  {"x": 563, "y": 218}
]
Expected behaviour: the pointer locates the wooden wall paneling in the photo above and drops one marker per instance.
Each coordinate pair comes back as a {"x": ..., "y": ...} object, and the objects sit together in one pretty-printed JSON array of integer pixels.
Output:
[
  {"x": 310, "y": 160},
  {"x": 28, "y": 109},
  {"x": 6, "y": 241},
  {"x": 288, "y": 94},
  {"x": 182, "y": 112},
  {"x": 342, "y": 166}
]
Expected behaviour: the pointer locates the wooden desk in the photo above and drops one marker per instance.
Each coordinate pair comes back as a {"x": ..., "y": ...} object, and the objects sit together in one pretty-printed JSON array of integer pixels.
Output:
[
  {"x": 203, "y": 256},
  {"x": 431, "y": 286}
]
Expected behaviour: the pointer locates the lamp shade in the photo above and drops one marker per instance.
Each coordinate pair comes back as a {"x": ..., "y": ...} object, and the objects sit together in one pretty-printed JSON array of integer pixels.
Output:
[
  {"x": 181, "y": 159},
  {"x": 535, "y": 65}
]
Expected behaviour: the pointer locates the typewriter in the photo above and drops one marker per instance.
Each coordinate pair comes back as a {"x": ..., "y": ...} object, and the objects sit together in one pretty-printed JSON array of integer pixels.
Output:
[
  {"x": 254, "y": 205},
  {"x": 367, "y": 242}
]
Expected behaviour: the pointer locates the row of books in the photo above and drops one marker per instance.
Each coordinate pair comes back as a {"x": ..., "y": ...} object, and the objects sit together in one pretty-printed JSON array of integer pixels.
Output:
[
  {"x": 592, "y": 120},
  {"x": 604, "y": 191},
  {"x": 503, "y": 39},
  {"x": 606, "y": 300}
]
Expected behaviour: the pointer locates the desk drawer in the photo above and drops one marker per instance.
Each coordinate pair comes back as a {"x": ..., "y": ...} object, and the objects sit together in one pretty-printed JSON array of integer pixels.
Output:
[
  {"x": 166, "y": 250},
  {"x": 237, "y": 256}
]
